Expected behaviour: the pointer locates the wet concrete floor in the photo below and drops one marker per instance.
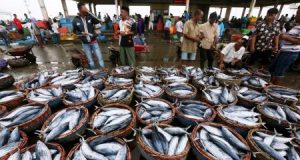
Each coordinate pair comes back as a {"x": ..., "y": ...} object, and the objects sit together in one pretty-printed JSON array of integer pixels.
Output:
[{"x": 162, "y": 53}]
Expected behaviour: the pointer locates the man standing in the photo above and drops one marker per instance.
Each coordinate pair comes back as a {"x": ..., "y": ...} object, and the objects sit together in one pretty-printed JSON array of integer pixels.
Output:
[
  {"x": 191, "y": 37},
  {"x": 179, "y": 28},
  {"x": 289, "y": 52},
  {"x": 151, "y": 22},
  {"x": 83, "y": 26},
  {"x": 167, "y": 28},
  {"x": 209, "y": 30},
  {"x": 127, "y": 31},
  {"x": 55, "y": 35},
  {"x": 4, "y": 35},
  {"x": 18, "y": 23},
  {"x": 265, "y": 39}
]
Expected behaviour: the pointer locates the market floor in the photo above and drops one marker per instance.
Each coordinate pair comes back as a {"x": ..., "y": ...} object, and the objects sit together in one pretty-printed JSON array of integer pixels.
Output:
[{"x": 162, "y": 53}]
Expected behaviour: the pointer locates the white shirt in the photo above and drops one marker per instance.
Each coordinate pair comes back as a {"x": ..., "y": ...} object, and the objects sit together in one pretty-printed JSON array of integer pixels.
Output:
[
  {"x": 230, "y": 53},
  {"x": 179, "y": 26},
  {"x": 55, "y": 27},
  {"x": 288, "y": 46},
  {"x": 168, "y": 24},
  {"x": 152, "y": 17}
]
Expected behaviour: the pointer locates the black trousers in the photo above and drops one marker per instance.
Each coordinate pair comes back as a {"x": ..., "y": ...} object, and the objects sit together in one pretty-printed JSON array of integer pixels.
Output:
[
  {"x": 206, "y": 55},
  {"x": 262, "y": 57},
  {"x": 238, "y": 65}
]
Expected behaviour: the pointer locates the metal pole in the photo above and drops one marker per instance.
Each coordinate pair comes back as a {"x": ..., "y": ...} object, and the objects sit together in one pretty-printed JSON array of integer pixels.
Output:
[
  {"x": 64, "y": 5},
  {"x": 187, "y": 7},
  {"x": 252, "y": 5},
  {"x": 95, "y": 10},
  {"x": 90, "y": 7},
  {"x": 227, "y": 14},
  {"x": 244, "y": 11},
  {"x": 121, "y": 3},
  {"x": 260, "y": 10},
  {"x": 117, "y": 9},
  {"x": 280, "y": 10},
  {"x": 221, "y": 11},
  {"x": 43, "y": 8}
]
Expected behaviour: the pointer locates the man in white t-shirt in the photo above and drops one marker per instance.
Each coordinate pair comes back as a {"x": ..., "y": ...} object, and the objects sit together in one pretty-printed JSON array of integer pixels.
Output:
[
  {"x": 55, "y": 35},
  {"x": 232, "y": 54},
  {"x": 179, "y": 28}
]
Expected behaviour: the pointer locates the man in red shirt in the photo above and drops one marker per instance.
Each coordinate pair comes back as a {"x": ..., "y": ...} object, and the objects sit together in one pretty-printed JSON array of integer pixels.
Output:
[{"x": 18, "y": 23}]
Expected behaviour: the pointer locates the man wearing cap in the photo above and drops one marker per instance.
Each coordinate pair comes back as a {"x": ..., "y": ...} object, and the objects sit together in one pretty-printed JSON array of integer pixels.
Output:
[
  {"x": 209, "y": 30},
  {"x": 232, "y": 54}
]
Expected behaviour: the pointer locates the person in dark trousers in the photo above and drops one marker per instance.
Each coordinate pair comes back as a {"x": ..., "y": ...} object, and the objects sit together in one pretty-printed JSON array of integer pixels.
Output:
[
  {"x": 55, "y": 35},
  {"x": 18, "y": 24},
  {"x": 127, "y": 30},
  {"x": 289, "y": 52},
  {"x": 83, "y": 26},
  {"x": 265, "y": 41}
]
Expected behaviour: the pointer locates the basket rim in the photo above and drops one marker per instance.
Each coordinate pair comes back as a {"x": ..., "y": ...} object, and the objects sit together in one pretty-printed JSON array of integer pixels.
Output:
[
  {"x": 45, "y": 102},
  {"x": 103, "y": 101},
  {"x": 194, "y": 93},
  {"x": 80, "y": 103}
]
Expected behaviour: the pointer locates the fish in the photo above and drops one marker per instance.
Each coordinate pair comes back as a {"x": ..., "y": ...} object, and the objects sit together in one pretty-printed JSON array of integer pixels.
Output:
[
  {"x": 251, "y": 95},
  {"x": 147, "y": 90},
  {"x": 115, "y": 94},
  {"x": 66, "y": 79},
  {"x": 146, "y": 70},
  {"x": 38, "y": 80},
  {"x": 151, "y": 79},
  {"x": 219, "y": 95},
  {"x": 122, "y": 69},
  {"x": 254, "y": 81},
  {"x": 112, "y": 119},
  {"x": 45, "y": 94},
  {"x": 80, "y": 94},
  {"x": 206, "y": 80},
  {"x": 168, "y": 71},
  {"x": 283, "y": 93},
  {"x": 4, "y": 75},
  {"x": 191, "y": 70},
  {"x": 6, "y": 96},
  {"x": 175, "y": 78},
  {"x": 281, "y": 113},
  {"x": 213, "y": 70},
  {"x": 119, "y": 81},
  {"x": 224, "y": 76},
  {"x": 154, "y": 110},
  {"x": 9, "y": 139},
  {"x": 180, "y": 89},
  {"x": 242, "y": 71},
  {"x": 195, "y": 110}
]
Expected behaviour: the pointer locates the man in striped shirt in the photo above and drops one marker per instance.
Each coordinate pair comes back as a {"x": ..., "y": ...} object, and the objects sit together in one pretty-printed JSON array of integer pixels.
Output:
[{"x": 290, "y": 49}]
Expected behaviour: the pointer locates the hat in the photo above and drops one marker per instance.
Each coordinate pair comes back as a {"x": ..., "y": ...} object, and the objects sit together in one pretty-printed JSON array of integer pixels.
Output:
[
  {"x": 246, "y": 37},
  {"x": 213, "y": 16}
]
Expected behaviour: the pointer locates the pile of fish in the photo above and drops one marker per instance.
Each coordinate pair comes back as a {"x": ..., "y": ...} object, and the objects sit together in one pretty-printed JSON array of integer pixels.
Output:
[
  {"x": 175, "y": 78},
  {"x": 119, "y": 81},
  {"x": 281, "y": 113},
  {"x": 80, "y": 94},
  {"x": 9, "y": 140},
  {"x": 101, "y": 148},
  {"x": 180, "y": 89},
  {"x": 66, "y": 78},
  {"x": 276, "y": 146},
  {"x": 168, "y": 141},
  {"x": 206, "y": 80},
  {"x": 191, "y": 70},
  {"x": 6, "y": 96},
  {"x": 154, "y": 111},
  {"x": 122, "y": 69},
  {"x": 41, "y": 151},
  {"x": 112, "y": 119},
  {"x": 221, "y": 143},
  {"x": 297, "y": 134},
  {"x": 212, "y": 70},
  {"x": 94, "y": 79},
  {"x": 241, "y": 115},
  {"x": 152, "y": 79},
  {"x": 40, "y": 80},
  {"x": 146, "y": 70},
  {"x": 251, "y": 94},
  {"x": 219, "y": 95},
  {"x": 147, "y": 90},
  {"x": 224, "y": 76},
  {"x": 254, "y": 81},
  {"x": 195, "y": 110},
  {"x": 62, "y": 123},
  {"x": 45, "y": 94},
  {"x": 283, "y": 93},
  {"x": 168, "y": 71},
  {"x": 242, "y": 71},
  {"x": 20, "y": 115},
  {"x": 4, "y": 75},
  {"x": 116, "y": 94}
]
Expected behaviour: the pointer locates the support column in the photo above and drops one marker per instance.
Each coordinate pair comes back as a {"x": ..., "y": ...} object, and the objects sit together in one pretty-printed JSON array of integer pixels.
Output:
[
  {"x": 116, "y": 5},
  {"x": 244, "y": 11},
  {"x": 280, "y": 10},
  {"x": 260, "y": 10},
  {"x": 90, "y": 7},
  {"x": 228, "y": 11},
  {"x": 64, "y": 5},
  {"x": 221, "y": 11},
  {"x": 44, "y": 10},
  {"x": 187, "y": 5},
  {"x": 276, "y": 4},
  {"x": 121, "y": 3},
  {"x": 252, "y": 5},
  {"x": 95, "y": 10}
]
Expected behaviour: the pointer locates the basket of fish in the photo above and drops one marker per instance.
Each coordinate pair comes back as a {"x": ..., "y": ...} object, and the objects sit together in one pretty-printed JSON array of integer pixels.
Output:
[
  {"x": 267, "y": 145},
  {"x": 264, "y": 74},
  {"x": 212, "y": 71},
  {"x": 202, "y": 81},
  {"x": 18, "y": 62},
  {"x": 254, "y": 82},
  {"x": 180, "y": 91},
  {"x": 40, "y": 150},
  {"x": 65, "y": 125},
  {"x": 241, "y": 118},
  {"x": 148, "y": 79},
  {"x": 163, "y": 142},
  {"x": 11, "y": 141},
  {"x": 3, "y": 110},
  {"x": 100, "y": 148},
  {"x": 175, "y": 78},
  {"x": 145, "y": 70},
  {"x": 228, "y": 80},
  {"x": 278, "y": 115},
  {"x": 191, "y": 71},
  {"x": 6, "y": 80},
  {"x": 28, "y": 117},
  {"x": 191, "y": 113},
  {"x": 82, "y": 96},
  {"x": 51, "y": 95},
  {"x": 109, "y": 95},
  {"x": 118, "y": 82},
  {"x": 238, "y": 72},
  {"x": 155, "y": 110},
  {"x": 164, "y": 71},
  {"x": 283, "y": 95},
  {"x": 217, "y": 141},
  {"x": 123, "y": 72},
  {"x": 219, "y": 96},
  {"x": 116, "y": 120},
  {"x": 95, "y": 80},
  {"x": 249, "y": 97},
  {"x": 147, "y": 91},
  {"x": 67, "y": 79},
  {"x": 41, "y": 79},
  {"x": 11, "y": 99}
]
